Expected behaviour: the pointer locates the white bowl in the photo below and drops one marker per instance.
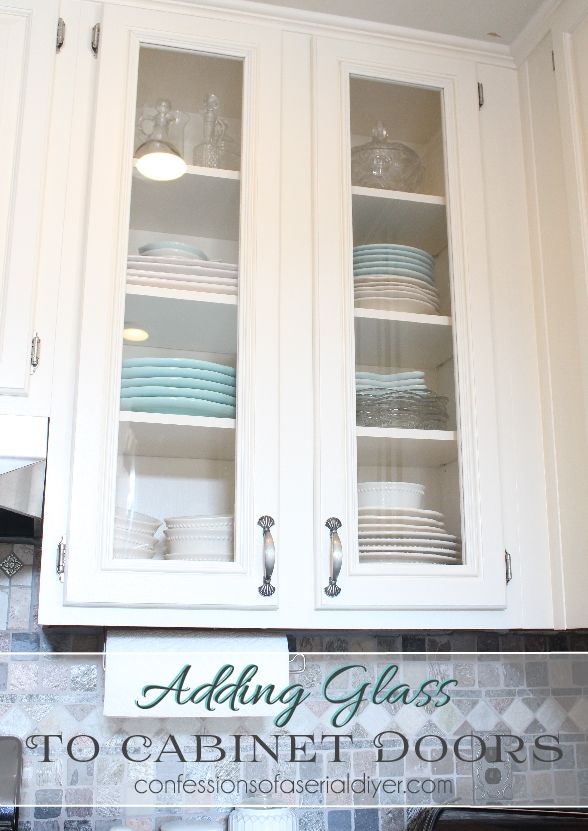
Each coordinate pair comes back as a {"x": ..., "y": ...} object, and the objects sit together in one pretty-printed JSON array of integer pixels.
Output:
[
  {"x": 133, "y": 518},
  {"x": 201, "y": 546},
  {"x": 126, "y": 539},
  {"x": 132, "y": 531},
  {"x": 140, "y": 552},
  {"x": 390, "y": 494},
  {"x": 201, "y": 558},
  {"x": 199, "y": 533},
  {"x": 198, "y": 522}
]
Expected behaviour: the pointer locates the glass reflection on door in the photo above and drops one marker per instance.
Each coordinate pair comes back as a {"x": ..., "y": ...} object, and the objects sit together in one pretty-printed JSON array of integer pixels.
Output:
[
  {"x": 178, "y": 393},
  {"x": 409, "y": 498}
]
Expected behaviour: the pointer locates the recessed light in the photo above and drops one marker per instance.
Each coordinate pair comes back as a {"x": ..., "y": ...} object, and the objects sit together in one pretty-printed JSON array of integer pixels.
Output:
[{"x": 134, "y": 334}]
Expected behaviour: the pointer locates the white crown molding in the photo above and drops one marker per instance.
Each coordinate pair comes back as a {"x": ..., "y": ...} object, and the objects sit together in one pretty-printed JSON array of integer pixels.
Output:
[
  {"x": 333, "y": 25},
  {"x": 534, "y": 31}
]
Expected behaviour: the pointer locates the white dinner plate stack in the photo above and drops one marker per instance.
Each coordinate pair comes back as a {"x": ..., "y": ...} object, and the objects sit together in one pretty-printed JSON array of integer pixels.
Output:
[
  {"x": 134, "y": 535},
  {"x": 394, "y": 278},
  {"x": 200, "y": 538},
  {"x": 394, "y": 527},
  {"x": 178, "y": 266}
]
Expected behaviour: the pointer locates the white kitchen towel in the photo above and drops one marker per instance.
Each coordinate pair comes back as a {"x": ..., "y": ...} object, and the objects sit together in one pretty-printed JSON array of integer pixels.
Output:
[{"x": 180, "y": 673}]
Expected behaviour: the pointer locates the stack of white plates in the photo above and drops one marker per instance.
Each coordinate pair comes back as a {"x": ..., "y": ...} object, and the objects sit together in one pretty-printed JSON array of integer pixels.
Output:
[
  {"x": 395, "y": 278},
  {"x": 175, "y": 265},
  {"x": 393, "y": 526},
  {"x": 134, "y": 534},
  {"x": 178, "y": 386},
  {"x": 200, "y": 538}
]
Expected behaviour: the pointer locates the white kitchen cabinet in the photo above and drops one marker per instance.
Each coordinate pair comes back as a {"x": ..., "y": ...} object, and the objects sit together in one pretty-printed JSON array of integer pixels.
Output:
[
  {"x": 165, "y": 464},
  {"x": 554, "y": 95},
  {"x": 430, "y": 104},
  {"x": 284, "y": 208},
  {"x": 27, "y": 55}
]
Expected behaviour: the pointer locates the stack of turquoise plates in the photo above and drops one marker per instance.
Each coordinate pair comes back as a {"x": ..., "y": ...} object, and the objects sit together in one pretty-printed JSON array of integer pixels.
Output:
[
  {"x": 395, "y": 278},
  {"x": 178, "y": 386}
]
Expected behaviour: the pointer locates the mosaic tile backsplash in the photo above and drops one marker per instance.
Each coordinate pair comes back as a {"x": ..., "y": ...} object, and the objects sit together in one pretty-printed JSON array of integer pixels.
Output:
[{"x": 79, "y": 784}]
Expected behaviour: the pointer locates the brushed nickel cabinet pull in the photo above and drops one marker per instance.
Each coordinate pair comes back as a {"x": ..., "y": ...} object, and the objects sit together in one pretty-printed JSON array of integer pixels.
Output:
[
  {"x": 269, "y": 556},
  {"x": 336, "y": 557}
]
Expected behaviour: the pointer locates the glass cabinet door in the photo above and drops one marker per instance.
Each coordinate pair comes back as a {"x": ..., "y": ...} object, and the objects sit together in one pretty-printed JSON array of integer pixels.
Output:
[
  {"x": 409, "y": 486},
  {"x": 176, "y": 460}
]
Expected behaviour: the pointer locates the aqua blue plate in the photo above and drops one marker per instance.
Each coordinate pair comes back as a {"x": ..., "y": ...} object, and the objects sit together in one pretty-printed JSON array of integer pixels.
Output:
[
  {"x": 178, "y": 406},
  {"x": 392, "y": 248},
  {"x": 175, "y": 392},
  {"x": 173, "y": 245},
  {"x": 186, "y": 363},
  {"x": 181, "y": 383},
  {"x": 395, "y": 257},
  {"x": 377, "y": 376},
  {"x": 134, "y": 372}
]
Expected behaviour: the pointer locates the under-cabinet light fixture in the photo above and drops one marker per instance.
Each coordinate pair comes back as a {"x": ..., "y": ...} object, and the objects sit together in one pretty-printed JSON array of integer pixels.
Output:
[
  {"x": 157, "y": 158},
  {"x": 135, "y": 334},
  {"x": 160, "y": 161}
]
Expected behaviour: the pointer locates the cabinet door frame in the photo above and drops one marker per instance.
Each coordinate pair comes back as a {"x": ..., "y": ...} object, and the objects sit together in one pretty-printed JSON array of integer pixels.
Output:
[
  {"x": 480, "y": 582},
  {"x": 91, "y": 577}
]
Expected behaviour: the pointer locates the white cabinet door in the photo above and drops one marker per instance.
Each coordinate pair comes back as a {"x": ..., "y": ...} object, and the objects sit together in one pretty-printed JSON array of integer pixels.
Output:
[
  {"x": 183, "y": 424},
  {"x": 27, "y": 53},
  {"x": 403, "y": 335}
]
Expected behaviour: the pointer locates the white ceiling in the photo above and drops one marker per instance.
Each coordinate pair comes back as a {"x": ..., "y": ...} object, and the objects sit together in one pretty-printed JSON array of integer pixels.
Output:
[{"x": 466, "y": 18}]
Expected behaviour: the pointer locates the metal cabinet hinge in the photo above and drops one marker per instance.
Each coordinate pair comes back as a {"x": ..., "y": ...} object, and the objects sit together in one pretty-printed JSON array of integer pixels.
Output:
[
  {"x": 60, "y": 39},
  {"x": 61, "y": 552},
  {"x": 508, "y": 567},
  {"x": 95, "y": 42},
  {"x": 35, "y": 351},
  {"x": 480, "y": 94}
]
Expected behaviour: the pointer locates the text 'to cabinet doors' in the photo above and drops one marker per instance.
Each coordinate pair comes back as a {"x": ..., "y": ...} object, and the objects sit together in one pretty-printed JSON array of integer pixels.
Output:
[
  {"x": 176, "y": 428},
  {"x": 406, "y": 433}
]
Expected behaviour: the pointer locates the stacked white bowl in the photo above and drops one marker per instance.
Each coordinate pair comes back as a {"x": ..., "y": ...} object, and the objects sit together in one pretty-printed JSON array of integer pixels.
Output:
[
  {"x": 394, "y": 526},
  {"x": 134, "y": 534},
  {"x": 200, "y": 538}
]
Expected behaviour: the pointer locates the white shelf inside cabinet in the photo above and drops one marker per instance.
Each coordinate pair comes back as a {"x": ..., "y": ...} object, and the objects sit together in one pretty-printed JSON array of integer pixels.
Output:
[
  {"x": 176, "y": 436},
  {"x": 183, "y": 294},
  {"x": 413, "y": 340},
  {"x": 208, "y": 323},
  {"x": 422, "y": 448},
  {"x": 202, "y": 203},
  {"x": 397, "y": 217}
]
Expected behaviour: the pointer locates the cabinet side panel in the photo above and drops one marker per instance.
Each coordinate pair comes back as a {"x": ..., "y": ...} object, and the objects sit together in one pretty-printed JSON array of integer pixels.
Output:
[
  {"x": 558, "y": 338},
  {"x": 515, "y": 340}
]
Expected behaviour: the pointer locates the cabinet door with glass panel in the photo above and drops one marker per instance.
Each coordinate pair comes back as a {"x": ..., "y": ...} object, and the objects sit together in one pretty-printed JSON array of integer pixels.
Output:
[
  {"x": 174, "y": 490},
  {"x": 408, "y": 497}
]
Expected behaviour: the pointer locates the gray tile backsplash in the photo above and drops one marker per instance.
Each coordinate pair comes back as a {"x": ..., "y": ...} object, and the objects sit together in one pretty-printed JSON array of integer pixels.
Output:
[{"x": 75, "y": 786}]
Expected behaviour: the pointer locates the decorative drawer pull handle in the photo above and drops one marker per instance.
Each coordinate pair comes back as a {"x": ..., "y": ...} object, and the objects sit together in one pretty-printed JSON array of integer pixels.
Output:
[
  {"x": 336, "y": 557},
  {"x": 269, "y": 556}
]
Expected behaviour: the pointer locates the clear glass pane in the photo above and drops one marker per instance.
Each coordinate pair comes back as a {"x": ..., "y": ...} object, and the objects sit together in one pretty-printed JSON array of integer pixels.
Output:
[
  {"x": 176, "y": 465},
  {"x": 407, "y": 448}
]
